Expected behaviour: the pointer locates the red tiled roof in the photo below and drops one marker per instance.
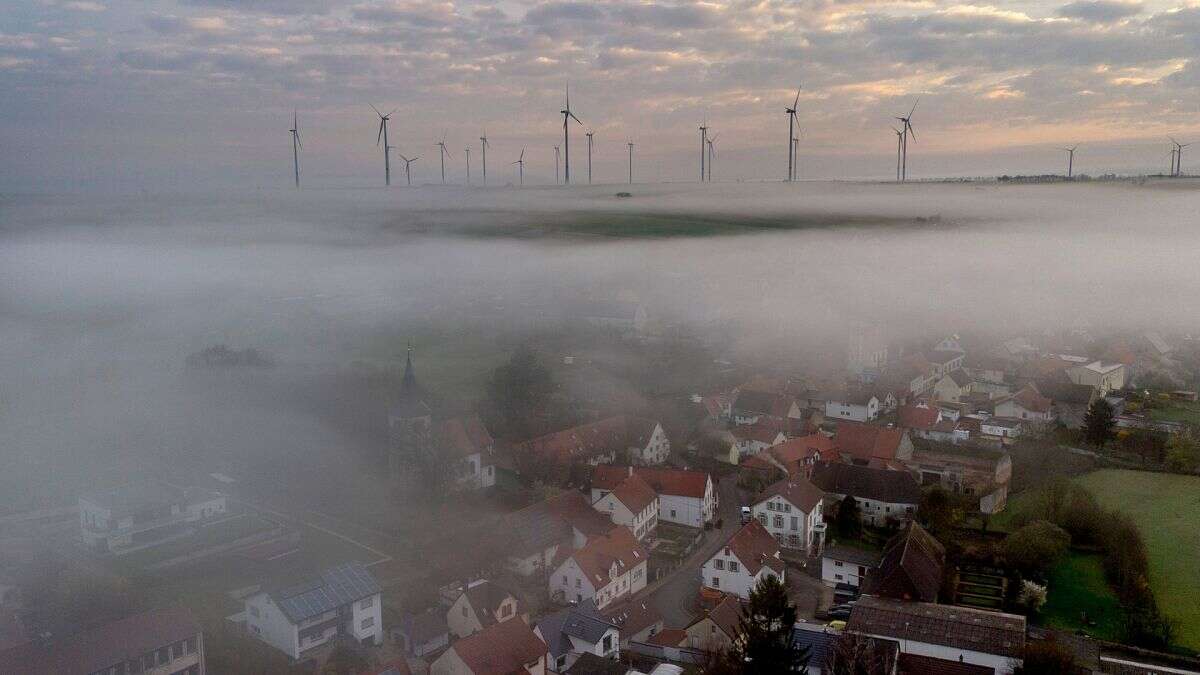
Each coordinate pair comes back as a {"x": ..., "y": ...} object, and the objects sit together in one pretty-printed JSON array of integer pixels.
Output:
[
  {"x": 800, "y": 449},
  {"x": 635, "y": 493},
  {"x": 1032, "y": 400},
  {"x": 726, "y": 615},
  {"x": 915, "y": 664},
  {"x": 911, "y": 567},
  {"x": 464, "y": 436},
  {"x": 681, "y": 482},
  {"x": 755, "y": 547},
  {"x": 501, "y": 649},
  {"x": 574, "y": 509},
  {"x": 596, "y": 557},
  {"x": 598, "y": 438},
  {"x": 103, "y": 646},
  {"x": 867, "y": 441},
  {"x": 798, "y": 490},
  {"x": 917, "y": 417},
  {"x": 671, "y": 637},
  {"x": 761, "y": 432}
]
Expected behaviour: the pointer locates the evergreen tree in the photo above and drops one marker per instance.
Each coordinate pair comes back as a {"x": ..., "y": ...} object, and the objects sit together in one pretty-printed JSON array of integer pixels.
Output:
[
  {"x": 764, "y": 644},
  {"x": 849, "y": 519},
  {"x": 1098, "y": 423}
]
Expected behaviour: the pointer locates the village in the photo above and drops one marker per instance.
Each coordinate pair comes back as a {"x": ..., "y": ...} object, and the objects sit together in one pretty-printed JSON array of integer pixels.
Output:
[{"x": 902, "y": 497}]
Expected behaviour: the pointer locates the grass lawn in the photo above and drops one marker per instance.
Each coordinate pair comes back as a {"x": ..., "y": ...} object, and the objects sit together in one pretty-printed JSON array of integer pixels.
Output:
[
  {"x": 1187, "y": 412},
  {"x": 1167, "y": 509},
  {"x": 1078, "y": 585}
]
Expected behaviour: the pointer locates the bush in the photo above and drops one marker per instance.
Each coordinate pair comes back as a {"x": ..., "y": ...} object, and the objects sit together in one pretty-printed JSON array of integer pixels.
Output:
[
  {"x": 1032, "y": 596},
  {"x": 1035, "y": 548}
]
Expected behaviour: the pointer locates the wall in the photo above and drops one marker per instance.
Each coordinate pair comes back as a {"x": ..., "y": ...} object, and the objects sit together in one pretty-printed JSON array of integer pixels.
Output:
[
  {"x": 852, "y": 573},
  {"x": 569, "y": 579},
  {"x": 273, "y": 627},
  {"x": 373, "y": 614}
]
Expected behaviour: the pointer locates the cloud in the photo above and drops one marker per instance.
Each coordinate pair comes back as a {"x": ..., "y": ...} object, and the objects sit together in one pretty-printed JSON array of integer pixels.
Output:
[
  {"x": 85, "y": 6},
  {"x": 1100, "y": 11}
]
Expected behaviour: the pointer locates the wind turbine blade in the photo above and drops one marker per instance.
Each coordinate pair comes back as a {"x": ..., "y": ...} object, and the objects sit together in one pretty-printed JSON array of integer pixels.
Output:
[
  {"x": 415, "y": 158},
  {"x": 522, "y": 154},
  {"x": 574, "y": 117},
  {"x": 390, "y": 114},
  {"x": 797, "y": 101},
  {"x": 911, "y": 132},
  {"x": 298, "y": 143},
  {"x": 375, "y": 109},
  {"x": 380, "y": 134},
  {"x": 914, "y": 108}
]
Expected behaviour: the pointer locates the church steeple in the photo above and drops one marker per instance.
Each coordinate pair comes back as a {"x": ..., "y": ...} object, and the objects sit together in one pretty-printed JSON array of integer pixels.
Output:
[{"x": 409, "y": 383}]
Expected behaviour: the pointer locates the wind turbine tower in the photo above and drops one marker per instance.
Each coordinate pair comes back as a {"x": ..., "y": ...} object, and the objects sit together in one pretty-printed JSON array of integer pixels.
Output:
[
  {"x": 483, "y": 142},
  {"x": 907, "y": 130},
  {"x": 1070, "y": 161},
  {"x": 567, "y": 117},
  {"x": 899, "y": 148},
  {"x": 589, "y": 137},
  {"x": 521, "y": 166},
  {"x": 791, "y": 113},
  {"x": 711, "y": 153},
  {"x": 703, "y": 149},
  {"x": 382, "y": 135},
  {"x": 630, "y": 144},
  {"x": 296, "y": 147},
  {"x": 556, "y": 165},
  {"x": 443, "y": 152},
  {"x": 468, "y": 153},
  {"x": 407, "y": 167}
]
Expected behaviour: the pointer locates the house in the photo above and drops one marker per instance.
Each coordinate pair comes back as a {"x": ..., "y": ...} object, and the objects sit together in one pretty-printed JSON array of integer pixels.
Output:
[
  {"x": 857, "y": 405},
  {"x": 790, "y": 511},
  {"x": 1104, "y": 376},
  {"x": 952, "y": 386},
  {"x": 606, "y": 569},
  {"x": 422, "y": 634},
  {"x": 1070, "y": 400},
  {"x": 466, "y": 443},
  {"x": 1002, "y": 430},
  {"x": 684, "y": 497},
  {"x": 943, "y": 361},
  {"x": 536, "y": 535},
  {"x": 636, "y": 620},
  {"x": 341, "y": 601},
  {"x": 572, "y": 632},
  {"x": 1027, "y": 404},
  {"x": 795, "y": 456},
  {"x": 749, "y": 556},
  {"x": 910, "y": 568},
  {"x": 500, "y": 649},
  {"x": 753, "y": 406},
  {"x": 884, "y": 497},
  {"x": 157, "y": 642},
  {"x": 868, "y": 443},
  {"x": 717, "y": 407},
  {"x": 919, "y": 420},
  {"x": 847, "y": 565},
  {"x": 972, "y": 470},
  {"x": 754, "y": 438},
  {"x": 725, "y": 446},
  {"x": 947, "y": 632},
  {"x": 632, "y": 503},
  {"x": 590, "y": 664},
  {"x": 716, "y": 629},
  {"x": 481, "y": 604},
  {"x": 144, "y": 514},
  {"x": 637, "y": 439}
]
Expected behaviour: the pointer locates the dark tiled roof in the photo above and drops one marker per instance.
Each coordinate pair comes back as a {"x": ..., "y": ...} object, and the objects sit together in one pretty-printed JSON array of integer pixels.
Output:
[
  {"x": 917, "y": 417},
  {"x": 337, "y": 586},
  {"x": 947, "y": 625},
  {"x": 911, "y": 567},
  {"x": 397, "y": 667},
  {"x": 819, "y": 641},
  {"x": 755, "y": 547},
  {"x": 582, "y": 622},
  {"x": 635, "y": 493},
  {"x": 486, "y": 598},
  {"x": 425, "y": 627},
  {"x": 104, "y": 646},
  {"x": 726, "y": 614},
  {"x": 464, "y": 436},
  {"x": 959, "y": 377},
  {"x": 501, "y": 648},
  {"x": 861, "y": 482},
  {"x": 633, "y": 617},
  {"x": 796, "y": 489},
  {"x": 590, "y": 664},
  {"x": 856, "y": 556},
  {"x": 536, "y": 528},
  {"x": 915, "y": 664},
  {"x": 595, "y": 439}
]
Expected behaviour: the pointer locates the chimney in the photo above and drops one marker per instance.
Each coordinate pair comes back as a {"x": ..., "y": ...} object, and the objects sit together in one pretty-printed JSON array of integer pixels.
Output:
[{"x": 630, "y": 470}]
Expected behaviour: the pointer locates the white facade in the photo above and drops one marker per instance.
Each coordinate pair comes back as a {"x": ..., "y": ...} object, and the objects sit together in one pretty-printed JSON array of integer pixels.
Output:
[
  {"x": 1011, "y": 408},
  {"x": 156, "y": 519},
  {"x": 790, "y": 525},
  {"x": 608, "y": 646},
  {"x": 726, "y": 573},
  {"x": 836, "y": 571},
  {"x": 1000, "y": 428},
  {"x": 857, "y": 412},
  {"x": 362, "y": 620},
  {"x": 641, "y": 523},
  {"x": 656, "y": 449},
  {"x": 875, "y": 512},
  {"x": 575, "y": 586},
  {"x": 475, "y": 471},
  {"x": 689, "y": 511}
]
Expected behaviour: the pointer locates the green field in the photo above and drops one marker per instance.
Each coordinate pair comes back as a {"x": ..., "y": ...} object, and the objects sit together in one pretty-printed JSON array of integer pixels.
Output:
[
  {"x": 1166, "y": 508},
  {"x": 1077, "y": 587},
  {"x": 1187, "y": 412}
]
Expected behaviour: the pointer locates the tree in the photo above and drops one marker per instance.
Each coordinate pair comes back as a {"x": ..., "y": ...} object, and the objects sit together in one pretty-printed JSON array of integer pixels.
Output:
[
  {"x": 1183, "y": 453},
  {"x": 849, "y": 519},
  {"x": 1098, "y": 423},
  {"x": 1032, "y": 595},
  {"x": 1035, "y": 548},
  {"x": 764, "y": 642},
  {"x": 938, "y": 512},
  {"x": 858, "y": 654},
  {"x": 520, "y": 392}
]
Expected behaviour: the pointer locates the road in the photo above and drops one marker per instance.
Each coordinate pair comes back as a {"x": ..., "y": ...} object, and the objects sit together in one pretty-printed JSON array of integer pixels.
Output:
[{"x": 675, "y": 596}]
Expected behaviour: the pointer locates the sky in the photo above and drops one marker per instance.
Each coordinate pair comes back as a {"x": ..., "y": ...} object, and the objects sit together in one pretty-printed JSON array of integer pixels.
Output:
[{"x": 122, "y": 96}]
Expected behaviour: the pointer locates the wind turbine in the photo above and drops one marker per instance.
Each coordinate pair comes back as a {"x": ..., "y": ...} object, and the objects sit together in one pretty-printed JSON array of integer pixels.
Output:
[
  {"x": 468, "y": 153},
  {"x": 382, "y": 135},
  {"x": 1177, "y": 157},
  {"x": 589, "y": 137},
  {"x": 567, "y": 117},
  {"x": 444, "y": 153},
  {"x": 791, "y": 113},
  {"x": 907, "y": 129},
  {"x": 796, "y": 153},
  {"x": 296, "y": 146},
  {"x": 630, "y": 144},
  {"x": 556, "y": 165},
  {"x": 1070, "y": 160},
  {"x": 899, "y": 147},
  {"x": 703, "y": 141},
  {"x": 1173, "y": 151},
  {"x": 521, "y": 166},
  {"x": 407, "y": 171},
  {"x": 711, "y": 153},
  {"x": 484, "y": 144}
]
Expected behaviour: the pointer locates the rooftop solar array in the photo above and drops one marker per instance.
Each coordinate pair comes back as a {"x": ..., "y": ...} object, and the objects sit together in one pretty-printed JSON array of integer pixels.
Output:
[{"x": 337, "y": 586}]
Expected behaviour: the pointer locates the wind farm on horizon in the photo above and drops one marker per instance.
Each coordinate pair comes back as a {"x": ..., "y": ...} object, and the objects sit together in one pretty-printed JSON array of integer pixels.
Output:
[{"x": 905, "y": 134}]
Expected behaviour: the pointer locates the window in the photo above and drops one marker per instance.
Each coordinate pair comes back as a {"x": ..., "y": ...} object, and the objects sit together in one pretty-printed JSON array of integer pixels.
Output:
[
  {"x": 564, "y": 580},
  {"x": 778, "y": 521},
  {"x": 162, "y": 656},
  {"x": 191, "y": 645},
  {"x": 838, "y": 577},
  {"x": 367, "y": 603},
  {"x": 733, "y": 566},
  {"x": 787, "y": 508},
  {"x": 716, "y": 582},
  {"x": 837, "y": 563},
  {"x": 577, "y": 582},
  {"x": 795, "y": 523},
  {"x": 672, "y": 513},
  {"x": 367, "y": 622},
  {"x": 719, "y": 564},
  {"x": 607, "y": 643},
  {"x": 762, "y": 519}
]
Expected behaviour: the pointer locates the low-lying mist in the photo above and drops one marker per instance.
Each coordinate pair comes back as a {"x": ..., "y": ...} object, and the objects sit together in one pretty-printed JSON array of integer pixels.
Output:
[{"x": 102, "y": 300}]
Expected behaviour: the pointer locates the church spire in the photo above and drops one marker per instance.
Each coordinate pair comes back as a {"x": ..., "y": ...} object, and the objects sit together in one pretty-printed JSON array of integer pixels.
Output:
[{"x": 410, "y": 380}]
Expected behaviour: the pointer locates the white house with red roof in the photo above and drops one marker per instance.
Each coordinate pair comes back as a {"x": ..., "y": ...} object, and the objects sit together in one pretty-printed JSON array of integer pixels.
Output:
[
  {"x": 604, "y": 441},
  {"x": 632, "y": 503},
  {"x": 921, "y": 420},
  {"x": 606, "y": 569},
  {"x": 872, "y": 444},
  {"x": 754, "y": 438},
  {"x": 684, "y": 497},
  {"x": 500, "y": 649},
  {"x": 1026, "y": 404},
  {"x": 790, "y": 511},
  {"x": 467, "y": 443},
  {"x": 749, "y": 556}
]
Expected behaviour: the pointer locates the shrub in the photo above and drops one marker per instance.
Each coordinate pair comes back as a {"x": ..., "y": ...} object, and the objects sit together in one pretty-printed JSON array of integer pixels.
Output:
[{"x": 1035, "y": 548}]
